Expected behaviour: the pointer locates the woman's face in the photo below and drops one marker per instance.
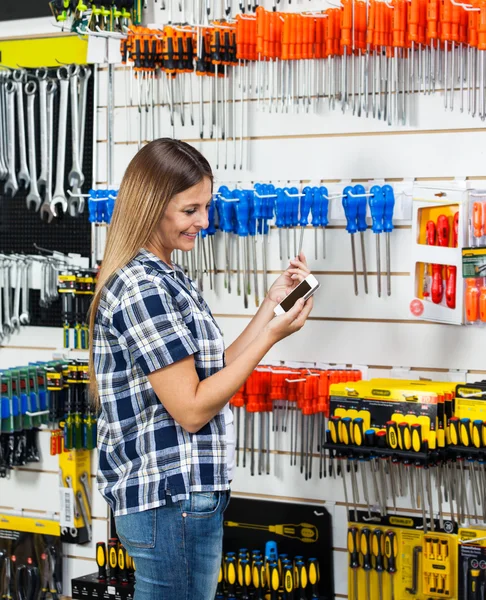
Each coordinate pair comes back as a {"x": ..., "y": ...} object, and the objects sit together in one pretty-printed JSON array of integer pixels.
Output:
[{"x": 185, "y": 216}]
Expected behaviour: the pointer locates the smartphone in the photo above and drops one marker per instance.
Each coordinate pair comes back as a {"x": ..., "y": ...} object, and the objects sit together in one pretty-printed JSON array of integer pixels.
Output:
[{"x": 305, "y": 289}]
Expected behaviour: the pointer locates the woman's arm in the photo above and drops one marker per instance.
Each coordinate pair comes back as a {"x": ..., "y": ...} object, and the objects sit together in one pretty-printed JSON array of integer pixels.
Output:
[
  {"x": 193, "y": 403},
  {"x": 263, "y": 316}
]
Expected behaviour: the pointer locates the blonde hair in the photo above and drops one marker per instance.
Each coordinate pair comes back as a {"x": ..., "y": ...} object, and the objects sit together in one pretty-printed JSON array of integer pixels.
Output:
[{"x": 158, "y": 172}]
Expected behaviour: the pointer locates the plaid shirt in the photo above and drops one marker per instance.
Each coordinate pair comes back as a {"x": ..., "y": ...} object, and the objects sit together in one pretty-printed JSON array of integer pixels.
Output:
[{"x": 151, "y": 316}]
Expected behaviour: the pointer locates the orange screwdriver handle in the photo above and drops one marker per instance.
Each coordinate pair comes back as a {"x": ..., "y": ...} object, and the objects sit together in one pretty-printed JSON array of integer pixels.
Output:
[
  {"x": 443, "y": 231},
  {"x": 437, "y": 288},
  {"x": 472, "y": 300},
  {"x": 451, "y": 287},
  {"x": 482, "y": 304},
  {"x": 477, "y": 219},
  {"x": 455, "y": 230}
]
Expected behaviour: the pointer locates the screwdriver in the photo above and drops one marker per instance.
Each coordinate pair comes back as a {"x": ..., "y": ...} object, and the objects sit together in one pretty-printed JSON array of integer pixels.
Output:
[
  {"x": 274, "y": 582},
  {"x": 362, "y": 226},
  {"x": 288, "y": 581},
  {"x": 316, "y": 215},
  {"x": 388, "y": 228},
  {"x": 113, "y": 559},
  {"x": 391, "y": 551},
  {"x": 306, "y": 202},
  {"x": 301, "y": 578},
  {"x": 353, "y": 558},
  {"x": 366, "y": 558},
  {"x": 377, "y": 549},
  {"x": 324, "y": 212},
  {"x": 314, "y": 576},
  {"x": 350, "y": 206},
  {"x": 101, "y": 561},
  {"x": 377, "y": 209},
  {"x": 280, "y": 204}
]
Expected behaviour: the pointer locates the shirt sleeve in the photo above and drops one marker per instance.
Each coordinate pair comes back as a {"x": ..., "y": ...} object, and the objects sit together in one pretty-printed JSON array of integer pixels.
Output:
[{"x": 148, "y": 321}]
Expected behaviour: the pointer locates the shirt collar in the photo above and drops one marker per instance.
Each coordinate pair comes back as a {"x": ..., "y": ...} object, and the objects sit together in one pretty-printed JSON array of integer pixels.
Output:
[{"x": 145, "y": 256}]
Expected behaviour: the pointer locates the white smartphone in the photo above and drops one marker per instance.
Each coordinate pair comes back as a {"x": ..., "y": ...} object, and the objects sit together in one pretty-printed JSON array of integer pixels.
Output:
[{"x": 305, "y": 289}]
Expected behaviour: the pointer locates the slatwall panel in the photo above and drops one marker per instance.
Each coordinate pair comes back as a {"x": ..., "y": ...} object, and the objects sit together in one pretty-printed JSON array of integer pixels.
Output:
[{"x": 343, "y": 329}]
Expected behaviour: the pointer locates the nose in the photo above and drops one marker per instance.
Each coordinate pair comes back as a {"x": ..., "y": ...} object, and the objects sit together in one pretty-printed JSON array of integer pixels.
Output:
[{"x": 202, "y": 221}]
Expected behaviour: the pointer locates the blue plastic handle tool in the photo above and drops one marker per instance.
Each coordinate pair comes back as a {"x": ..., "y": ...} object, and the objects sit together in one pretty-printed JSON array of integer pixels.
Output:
[
  {"x": 350, "y": 206},
  {"x": 280, "y": 206},
  {"x": 294, "y": 206},
  {"x": 92, "y": 208},
  {"x": 271, "y": 551},
  {"x": 316, "y": 207},
  {"x": 211, "y": 230},
  {"x": 242, "y": 212},
  {"x": 305, "y": 205},
  {"x": 377, "y": 208},
  {"x": 389, "y": 207},
  {"x": 360, "y": 192},
  {"x": 324, "y": 202},
  {"x": 252, "y": 218}
]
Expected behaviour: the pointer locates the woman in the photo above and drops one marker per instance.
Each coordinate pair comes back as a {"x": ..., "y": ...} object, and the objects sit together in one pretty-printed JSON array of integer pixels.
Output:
[{"x": 162, "y": 378}]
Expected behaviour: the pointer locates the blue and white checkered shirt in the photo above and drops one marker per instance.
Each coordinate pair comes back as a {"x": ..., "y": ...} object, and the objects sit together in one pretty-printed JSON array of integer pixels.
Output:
[{"x": 151, "y": 316}]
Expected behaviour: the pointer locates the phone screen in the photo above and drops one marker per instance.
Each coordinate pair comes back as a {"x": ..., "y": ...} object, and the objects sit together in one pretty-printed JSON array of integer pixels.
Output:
[{"x": 300, "y": 291}]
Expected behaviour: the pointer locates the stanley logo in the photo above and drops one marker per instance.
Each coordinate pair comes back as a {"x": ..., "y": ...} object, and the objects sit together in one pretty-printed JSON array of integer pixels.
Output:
[
  {"x": 401, "y": 521},
  {"x": 381, "y": 393}
]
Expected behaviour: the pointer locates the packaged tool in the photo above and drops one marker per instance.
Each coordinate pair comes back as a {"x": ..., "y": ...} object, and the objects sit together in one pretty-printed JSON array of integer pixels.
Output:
[
  {"x": 391, "y": 435},
  {"x": 472, "y": 563},
  {"x": 76, "y": 494},
  {"x": 30, "y": 562},
  {"x": 115, "y": 577},
  {"x": 439, "y": 229},
  {"x": 392, "y": 557}
]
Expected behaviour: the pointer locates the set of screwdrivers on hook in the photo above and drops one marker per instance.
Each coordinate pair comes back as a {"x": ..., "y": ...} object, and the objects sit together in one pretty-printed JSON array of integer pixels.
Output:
[{"x": 298, "y": 402}]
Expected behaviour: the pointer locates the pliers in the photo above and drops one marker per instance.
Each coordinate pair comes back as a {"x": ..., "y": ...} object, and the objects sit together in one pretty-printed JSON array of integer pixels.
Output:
[
  {"x": 49, "y": 583},
  {"x": 27, "y": 581},
  {"x": 6, "y": 590}
]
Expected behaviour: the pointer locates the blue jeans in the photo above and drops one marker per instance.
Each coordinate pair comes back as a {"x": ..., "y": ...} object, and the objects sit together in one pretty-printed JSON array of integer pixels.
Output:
[{"x": 177, "y": 547}]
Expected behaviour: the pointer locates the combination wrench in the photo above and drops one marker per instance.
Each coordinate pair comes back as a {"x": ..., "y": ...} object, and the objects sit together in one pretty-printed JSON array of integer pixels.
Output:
[
  {"x": 46, "y": 212},
  {"x": 75, "y": 177},
  {"x": 87, "y": 492},
  {"x": 76, "y": 201},
  {"x": 84, "y": 514},
  {"x": 11, "y": 187},
  {"x": 7, "y": 326},
  {"x": 25, "y": 314},
  {"x": 33, "y": 198},
  {"x": 59, "y": 196},
  {"x": 41, "y": 75},
  {"x": 3, "y": 128},
  {"x": 23, "y": 174},
  {"x": 15, "y": 320}
]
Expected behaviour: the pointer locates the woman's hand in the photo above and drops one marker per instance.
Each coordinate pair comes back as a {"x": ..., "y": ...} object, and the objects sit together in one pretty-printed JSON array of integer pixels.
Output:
[
  {"x": 284, "y": 325},
  {"x": 295, "y": 273}
]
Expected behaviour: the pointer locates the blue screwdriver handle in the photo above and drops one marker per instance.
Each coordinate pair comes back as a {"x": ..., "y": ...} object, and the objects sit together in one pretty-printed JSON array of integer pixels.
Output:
[
  {"x": 316, "y": 207},
  {"x": 324, "y": 200},
  {"x": 389, "y": 207},
  {"x": 294, "y": 207},
  {"x": 287, "y": 209},
  {"x": 242, "y": 212},
  {"x": 252, "y": 219},
  {"x": 377, "y": 208},
  {"x": 280, "y": 205},
  {"x": 350, "y": 206},
  {"x": 360, "y": 192},
  {"x": 211, "y": 230},
  {"x": 305, "y": 206}
]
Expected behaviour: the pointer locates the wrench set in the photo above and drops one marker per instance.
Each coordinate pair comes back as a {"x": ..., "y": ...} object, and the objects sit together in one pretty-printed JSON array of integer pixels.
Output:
[{"x": 28, "y": 97}]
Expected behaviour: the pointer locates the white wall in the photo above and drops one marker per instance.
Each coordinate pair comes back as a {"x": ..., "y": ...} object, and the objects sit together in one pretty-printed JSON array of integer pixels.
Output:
[{"x": 344, "y": 329}]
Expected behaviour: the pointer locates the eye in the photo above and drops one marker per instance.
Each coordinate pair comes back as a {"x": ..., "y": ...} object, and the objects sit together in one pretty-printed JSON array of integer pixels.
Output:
[{"x": 191, "y": 211}]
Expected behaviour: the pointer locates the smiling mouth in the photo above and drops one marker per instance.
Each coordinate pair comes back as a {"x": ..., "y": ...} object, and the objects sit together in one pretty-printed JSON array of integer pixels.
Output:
[{"x": 192, "y": 236}]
